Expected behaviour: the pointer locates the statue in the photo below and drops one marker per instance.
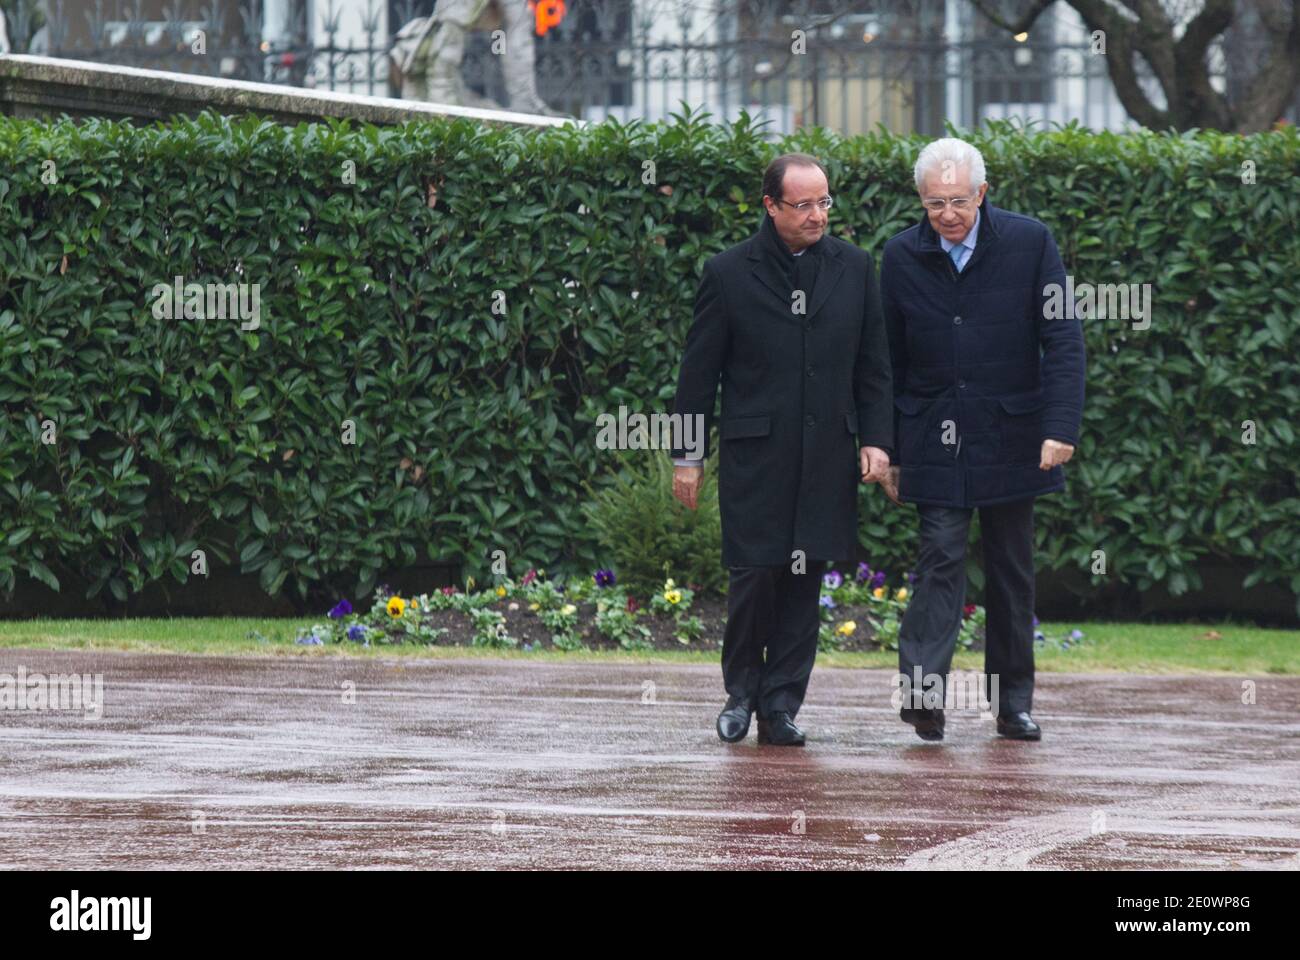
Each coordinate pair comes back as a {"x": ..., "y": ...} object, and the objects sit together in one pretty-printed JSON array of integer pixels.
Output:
[{"x": 430, "y": 50}]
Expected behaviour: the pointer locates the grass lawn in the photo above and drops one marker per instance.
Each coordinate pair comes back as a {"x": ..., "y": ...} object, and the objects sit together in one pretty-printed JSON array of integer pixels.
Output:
[{"x": 1126, "y": 647}]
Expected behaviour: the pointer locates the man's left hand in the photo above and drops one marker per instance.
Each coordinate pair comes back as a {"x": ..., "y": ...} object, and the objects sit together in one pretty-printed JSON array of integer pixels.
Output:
[
  {"x": 875, "y": 464},
  {"x": 1054, "y": 454}
]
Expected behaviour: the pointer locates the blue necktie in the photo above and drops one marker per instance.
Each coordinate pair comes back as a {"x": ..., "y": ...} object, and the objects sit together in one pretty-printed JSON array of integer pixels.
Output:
[{"x": 957, "y": 252}]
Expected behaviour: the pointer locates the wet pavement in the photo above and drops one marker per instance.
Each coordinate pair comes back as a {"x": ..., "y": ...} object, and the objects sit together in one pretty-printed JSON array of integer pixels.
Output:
[{"x": 267, "y": 763}]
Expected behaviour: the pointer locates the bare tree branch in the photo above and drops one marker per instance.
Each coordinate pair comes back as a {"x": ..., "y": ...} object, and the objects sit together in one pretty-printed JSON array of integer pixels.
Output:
[
  {"x": 1126, "y": 38},
  {"x": 1199, "y": 101},
  {"x": 1145, "y": 28},
  {"x": 1021, "y": 25}
]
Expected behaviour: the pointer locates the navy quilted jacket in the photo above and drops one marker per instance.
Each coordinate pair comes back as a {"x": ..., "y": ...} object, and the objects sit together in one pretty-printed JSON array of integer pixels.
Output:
[{"x": 981, "y": 376}]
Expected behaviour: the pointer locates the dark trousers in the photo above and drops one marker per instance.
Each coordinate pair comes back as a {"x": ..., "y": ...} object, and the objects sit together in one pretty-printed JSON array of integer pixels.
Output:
[
  {"x": 774, "y": 610},
  {"x": 928, "y": 633}
]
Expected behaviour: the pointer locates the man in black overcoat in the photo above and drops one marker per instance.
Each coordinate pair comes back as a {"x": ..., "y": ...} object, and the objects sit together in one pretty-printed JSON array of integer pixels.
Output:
[
  {"x": 789, "y": 323},
  {"x": 988, "y": 386}
]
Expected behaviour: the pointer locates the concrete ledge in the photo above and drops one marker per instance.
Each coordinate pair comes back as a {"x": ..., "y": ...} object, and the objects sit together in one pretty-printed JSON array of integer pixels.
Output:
[{"x": 48, "y": 87}]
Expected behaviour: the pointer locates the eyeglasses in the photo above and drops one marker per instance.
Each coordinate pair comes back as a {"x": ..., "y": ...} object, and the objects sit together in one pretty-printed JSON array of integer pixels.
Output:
[
  {"x": 825, "y": 203},
  {"x": 937, "y": 204}
]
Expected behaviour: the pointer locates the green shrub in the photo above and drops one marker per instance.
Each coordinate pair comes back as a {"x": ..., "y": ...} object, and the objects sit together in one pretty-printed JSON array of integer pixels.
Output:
[
  {"x": 474, "y": 342},
  {"x": 647, "y": 536}
]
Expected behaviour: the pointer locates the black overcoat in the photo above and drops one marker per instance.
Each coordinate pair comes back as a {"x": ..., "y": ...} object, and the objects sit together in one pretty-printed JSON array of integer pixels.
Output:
[{"x": 800, "y": 394}]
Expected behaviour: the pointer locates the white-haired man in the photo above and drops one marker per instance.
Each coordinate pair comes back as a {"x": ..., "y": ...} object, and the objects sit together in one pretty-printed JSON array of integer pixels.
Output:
[{"x": 988, "y": 397}]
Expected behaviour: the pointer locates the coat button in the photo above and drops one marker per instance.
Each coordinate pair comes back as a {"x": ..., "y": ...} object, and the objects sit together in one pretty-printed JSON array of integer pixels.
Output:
[
  {"x": 956, "y": 320},
  {"x": 961, "y": 384},
  {"x": 811, "y": 372},
  {"x": 811, "y": 420},
  {"x": 807, "y": 324}
]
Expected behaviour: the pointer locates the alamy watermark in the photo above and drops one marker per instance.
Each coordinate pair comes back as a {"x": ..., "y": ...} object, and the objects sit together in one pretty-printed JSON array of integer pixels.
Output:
[
  {"x": 74, "y": 913},
  {"x": 53, "y": 691},
  {"x": 932, "y": 691},
  {"x": 1114, "y": 301},
  {"x": 208, "y": 301},
  {"x": 657, "y": 431}
]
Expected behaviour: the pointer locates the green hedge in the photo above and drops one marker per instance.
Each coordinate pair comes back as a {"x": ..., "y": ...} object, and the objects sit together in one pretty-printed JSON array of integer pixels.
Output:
[{"x": 475, "y": 430}]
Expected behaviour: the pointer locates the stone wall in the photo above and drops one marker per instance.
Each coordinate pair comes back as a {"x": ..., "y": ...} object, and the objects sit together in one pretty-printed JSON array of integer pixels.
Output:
[{"x": 48, "y": 87}]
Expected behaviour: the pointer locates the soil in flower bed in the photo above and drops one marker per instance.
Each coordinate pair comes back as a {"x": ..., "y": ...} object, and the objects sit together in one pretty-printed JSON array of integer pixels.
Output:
[{"x": 524, "y": 625}]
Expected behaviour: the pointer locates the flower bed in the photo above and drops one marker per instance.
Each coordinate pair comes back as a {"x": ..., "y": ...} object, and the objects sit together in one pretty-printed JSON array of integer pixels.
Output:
[{"x": 862, "y": 613}]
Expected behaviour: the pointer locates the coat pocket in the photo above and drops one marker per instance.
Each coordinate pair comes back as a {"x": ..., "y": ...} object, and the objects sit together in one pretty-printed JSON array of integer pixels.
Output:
[
  {"x": 1021, "y": 425},
  {"x": 742, "y": 440},
  {"x": 918, "y": 439},
  {"x": 738, "y": 428},
  {"x": 908, "y": 406}
]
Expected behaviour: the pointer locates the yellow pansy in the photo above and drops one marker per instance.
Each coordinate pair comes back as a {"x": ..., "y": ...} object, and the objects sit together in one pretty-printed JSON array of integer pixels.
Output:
[
  {"x": 673, "y": 596},
  {"x": 396, "y": 606},
  {"x": 533, "y": 606},
  {"x": 846, "y": 628},
  {"x": 501, "y": 591},
  {"x": 902, "y": 594},
  {"x": 878, "y": 592},
  {"x": 568, "y": 609}
]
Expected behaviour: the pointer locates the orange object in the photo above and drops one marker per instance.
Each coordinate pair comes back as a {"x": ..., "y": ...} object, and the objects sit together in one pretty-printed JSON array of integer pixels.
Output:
[{"x": 547, "y": 13}]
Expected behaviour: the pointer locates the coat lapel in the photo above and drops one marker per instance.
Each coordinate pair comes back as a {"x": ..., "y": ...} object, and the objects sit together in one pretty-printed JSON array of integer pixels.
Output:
[
  {"x": 756, "y": 268},
  {"x": 832, "y": 268}
]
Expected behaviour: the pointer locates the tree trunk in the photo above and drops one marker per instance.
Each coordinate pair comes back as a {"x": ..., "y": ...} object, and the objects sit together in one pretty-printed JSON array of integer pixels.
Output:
[{"x": 1181, "y": 66}]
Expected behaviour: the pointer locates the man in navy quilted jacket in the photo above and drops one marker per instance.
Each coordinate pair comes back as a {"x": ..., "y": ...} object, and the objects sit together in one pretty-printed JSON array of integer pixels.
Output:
[{"x": 988, "y": 397}]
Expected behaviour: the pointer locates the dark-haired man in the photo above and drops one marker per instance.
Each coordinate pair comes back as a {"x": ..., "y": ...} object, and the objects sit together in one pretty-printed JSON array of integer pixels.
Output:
[{"x": 789, "y": 322}]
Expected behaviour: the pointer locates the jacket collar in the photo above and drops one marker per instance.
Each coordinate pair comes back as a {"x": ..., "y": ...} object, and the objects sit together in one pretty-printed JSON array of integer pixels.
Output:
[{"x": 832, "y": 268}]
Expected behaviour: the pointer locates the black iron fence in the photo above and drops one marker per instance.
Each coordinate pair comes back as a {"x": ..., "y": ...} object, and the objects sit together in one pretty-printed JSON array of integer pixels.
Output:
[{"x": 909, "y": 65}]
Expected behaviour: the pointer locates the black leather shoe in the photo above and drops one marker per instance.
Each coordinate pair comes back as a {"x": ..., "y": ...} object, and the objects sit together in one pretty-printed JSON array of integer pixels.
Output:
[
  {"x": 928, "y": 723},
  {"x": 733, "y": 721},
  {"x": 779, "y": 730},
  {"x": 1019, "y": 726}
]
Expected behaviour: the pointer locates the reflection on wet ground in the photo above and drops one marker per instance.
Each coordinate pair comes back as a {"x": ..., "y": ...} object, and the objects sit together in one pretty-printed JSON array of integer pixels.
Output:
[{"x": 219, "y": 763}]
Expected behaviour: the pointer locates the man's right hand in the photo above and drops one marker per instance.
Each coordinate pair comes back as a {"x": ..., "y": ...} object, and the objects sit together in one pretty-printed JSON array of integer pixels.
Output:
[
  {"x": 686, "y": 485},
  {"x": 890, "y": 485}
]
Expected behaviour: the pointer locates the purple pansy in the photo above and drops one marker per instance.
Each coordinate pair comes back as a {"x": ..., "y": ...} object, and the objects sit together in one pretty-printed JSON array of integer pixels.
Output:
[
  {"x": 341, "y": 609},
  {"x": 605, "y": 578},
  {"x": 833, "y": 580}
]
